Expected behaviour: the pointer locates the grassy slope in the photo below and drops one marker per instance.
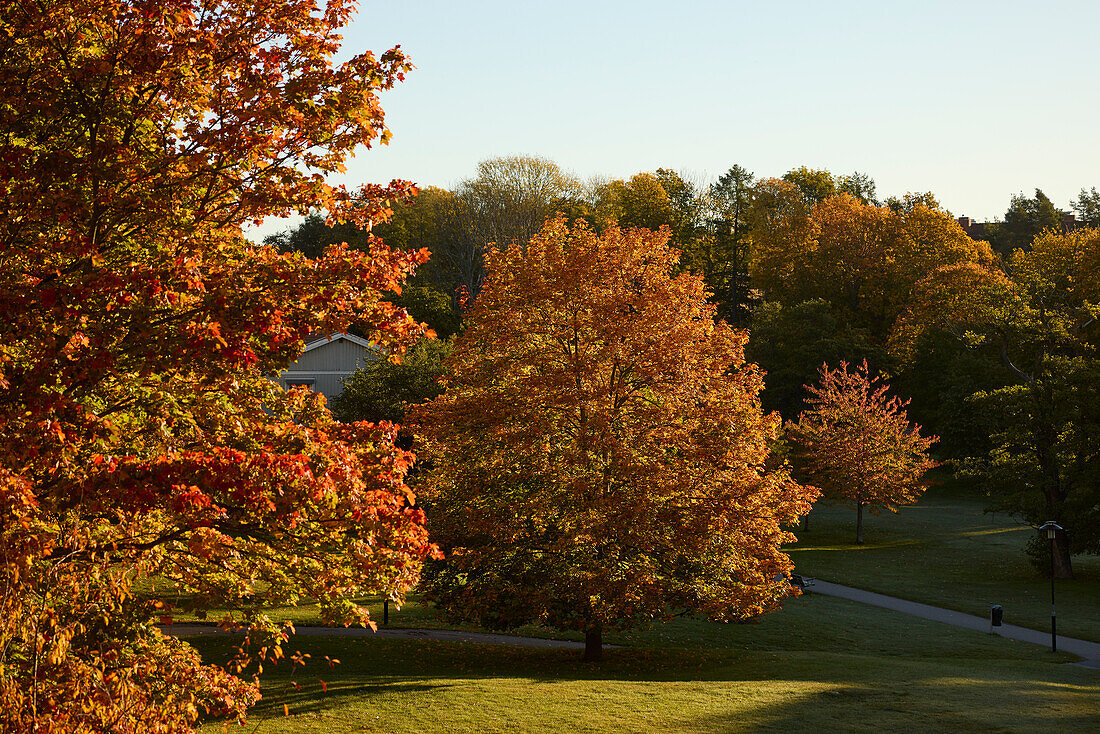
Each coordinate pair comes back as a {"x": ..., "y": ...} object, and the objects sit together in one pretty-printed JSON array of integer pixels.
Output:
[
  {"x": 945, "y": 551},
  {"x": 820, "y": 664}
]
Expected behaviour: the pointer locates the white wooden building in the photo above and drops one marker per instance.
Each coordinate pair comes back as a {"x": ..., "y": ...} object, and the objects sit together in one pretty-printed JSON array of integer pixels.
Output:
[{"x": 327, "y": 361}]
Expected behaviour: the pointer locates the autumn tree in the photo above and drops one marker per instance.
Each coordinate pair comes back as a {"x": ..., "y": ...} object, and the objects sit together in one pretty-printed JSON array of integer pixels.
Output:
[
  {"x": 1024, "y": 220},
  {"x": 782, "y": 236},
  {"x": 141, "y": 437},
  {"x": 1036, "y": 321},
  {"x": 815, "y": 185},
  {"x": 508, "y": 200},
  {"x": 863, "y": 262},
  {"x": 861, "y": 258},
  {"x": 1087, "y": 206},
  {"x": 857, "y": 444},
  {"x": 440, "y": 222},
  {"x": 512, "y": 196},
  {"x": 601, "y": 459},
  {"x": 640, "y": 201}
]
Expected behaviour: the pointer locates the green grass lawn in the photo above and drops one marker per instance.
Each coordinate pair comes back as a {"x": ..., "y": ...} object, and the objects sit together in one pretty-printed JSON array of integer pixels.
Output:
[
  {"x": 945, "y": 551},
  {"x": 820, "y": 664}
]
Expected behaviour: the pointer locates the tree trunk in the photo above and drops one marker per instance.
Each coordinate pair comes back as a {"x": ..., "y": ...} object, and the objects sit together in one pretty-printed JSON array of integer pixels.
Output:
[
  {"x": 859, "y": 523},
  {"x": 1063, "y": 567},
  {"x": 593, "y": 645}
]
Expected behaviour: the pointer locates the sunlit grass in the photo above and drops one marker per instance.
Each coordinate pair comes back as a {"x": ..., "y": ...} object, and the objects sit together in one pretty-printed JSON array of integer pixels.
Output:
[{"x": 821, "y": 664}]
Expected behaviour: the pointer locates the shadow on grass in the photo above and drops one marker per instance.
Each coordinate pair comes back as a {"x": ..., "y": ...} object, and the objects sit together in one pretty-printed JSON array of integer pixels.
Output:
[
  {"x": 925, "y": 706},
  {"x": 677, "y": 690},
  {"x": 313, "y": 698},
  {"x": 820, "y": 664}
]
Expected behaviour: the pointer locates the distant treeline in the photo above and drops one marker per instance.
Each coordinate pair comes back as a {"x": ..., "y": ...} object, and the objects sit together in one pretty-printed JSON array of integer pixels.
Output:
[{"x": 993, "y": 340}]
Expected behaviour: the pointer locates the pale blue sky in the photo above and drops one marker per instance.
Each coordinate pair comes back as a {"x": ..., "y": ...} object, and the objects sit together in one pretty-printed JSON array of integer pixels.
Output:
[{"x": 974, "y": 101}]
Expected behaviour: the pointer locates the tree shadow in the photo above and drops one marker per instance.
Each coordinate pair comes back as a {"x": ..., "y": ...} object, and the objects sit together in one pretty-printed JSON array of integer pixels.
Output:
[
  {"x": 752, "y": 690},
  {"x": 823, "y": 663},
  {"x": 921, "y": 704}
]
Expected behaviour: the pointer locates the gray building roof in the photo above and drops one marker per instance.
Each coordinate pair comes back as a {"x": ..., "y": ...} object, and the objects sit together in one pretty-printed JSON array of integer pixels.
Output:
[{"x": 327, "y": 361}]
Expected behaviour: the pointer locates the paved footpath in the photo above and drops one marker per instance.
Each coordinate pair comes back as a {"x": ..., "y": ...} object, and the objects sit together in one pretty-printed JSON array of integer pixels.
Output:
[
  {"x": 1090, "y": 651},
  {"x": 189, "y": 630}
]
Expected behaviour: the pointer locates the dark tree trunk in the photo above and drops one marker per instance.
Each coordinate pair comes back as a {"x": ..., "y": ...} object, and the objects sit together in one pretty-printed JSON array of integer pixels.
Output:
[
  {"x": 1054, "y": 490},
  {"x": 1063, "y": 566},
  {"x": 859, "y": 523},
  {"x": 593, "y": 645}
]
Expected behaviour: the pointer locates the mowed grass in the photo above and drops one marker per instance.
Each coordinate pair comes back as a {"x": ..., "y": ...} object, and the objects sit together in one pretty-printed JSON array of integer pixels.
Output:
[
  {"x": 819, "y": 664},
  {"x": 943, "y": 551},
  {"x": 947, "y": 552}
]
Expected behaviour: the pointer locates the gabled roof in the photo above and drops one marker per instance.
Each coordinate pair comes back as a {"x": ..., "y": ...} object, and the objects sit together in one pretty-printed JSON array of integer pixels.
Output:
[{"x": 320, "y": 341}]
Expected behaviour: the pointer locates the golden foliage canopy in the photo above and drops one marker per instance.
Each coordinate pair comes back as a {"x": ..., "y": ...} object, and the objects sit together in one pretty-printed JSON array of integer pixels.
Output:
[
  {"x": 600, "y": 454},
  {"x": 863, "y": 259}
]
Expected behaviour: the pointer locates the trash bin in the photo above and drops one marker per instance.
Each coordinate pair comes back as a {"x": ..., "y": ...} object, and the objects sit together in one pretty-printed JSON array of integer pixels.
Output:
[{"x": 996, "y": 614}]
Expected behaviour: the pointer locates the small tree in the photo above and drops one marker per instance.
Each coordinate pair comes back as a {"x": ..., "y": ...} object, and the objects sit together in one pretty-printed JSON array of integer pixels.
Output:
[
  {"x": 601, "y": 458},
  {"x": 858, "y": 445}
]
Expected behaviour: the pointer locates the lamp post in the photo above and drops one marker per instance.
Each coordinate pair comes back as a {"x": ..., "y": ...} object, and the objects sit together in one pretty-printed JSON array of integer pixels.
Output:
[{"x": 1052, "y": 529}]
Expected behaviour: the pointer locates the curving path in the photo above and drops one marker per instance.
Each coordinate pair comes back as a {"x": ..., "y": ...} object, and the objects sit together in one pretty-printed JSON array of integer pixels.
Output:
[
  {"x": 1090, "y": 651},
  {"x": 190, "y": 630}
]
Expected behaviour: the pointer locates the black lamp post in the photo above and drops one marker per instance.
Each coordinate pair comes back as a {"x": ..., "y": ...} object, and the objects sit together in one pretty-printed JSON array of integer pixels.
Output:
[{"x": 1052, "y": 529}]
